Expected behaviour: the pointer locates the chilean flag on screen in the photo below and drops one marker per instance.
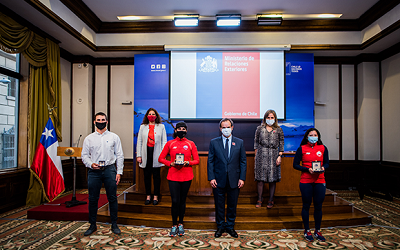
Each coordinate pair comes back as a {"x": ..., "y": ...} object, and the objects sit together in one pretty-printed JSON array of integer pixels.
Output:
[{"x": 47, "y": 165}]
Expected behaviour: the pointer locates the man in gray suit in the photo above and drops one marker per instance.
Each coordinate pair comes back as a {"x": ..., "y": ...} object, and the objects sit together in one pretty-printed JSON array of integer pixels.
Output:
[{"x": 226, "y": 169}]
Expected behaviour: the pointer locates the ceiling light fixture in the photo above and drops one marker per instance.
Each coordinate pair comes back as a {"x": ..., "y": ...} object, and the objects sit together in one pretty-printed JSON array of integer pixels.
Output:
[
  {"x": 186, "y": 20},
  {"x": 128, "y": 18},
  {"x": 269, "y": 19},
  {"x": 329, "y": 15},
  {"x": 309, "y": 16},
  {"x": 228, "y": 20}
]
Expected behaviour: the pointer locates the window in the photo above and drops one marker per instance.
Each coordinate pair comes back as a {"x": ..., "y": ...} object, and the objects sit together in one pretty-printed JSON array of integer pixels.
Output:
[{"x": 8, "y": 110}]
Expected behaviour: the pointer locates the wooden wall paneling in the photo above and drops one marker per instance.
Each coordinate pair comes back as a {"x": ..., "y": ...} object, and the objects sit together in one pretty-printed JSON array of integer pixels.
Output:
[
  {"x": 342, "y": 175},
  {"x": 81, "y": 174},
  {"x": 3, "y": 190},
  {"x": 68, "y": 171},
  {"x": 391, "y": 177},
  {"x": 13, "y": 189},
  {"x": 200, "y": 184},
  {"x": 380, "y": 113},
  {"x": 379, "y": 179},
  {"x": 340, "y": 77},
  {"x": 127, "y": 177},
  {"x": 290, "y": 178},
  {"x": 369, "y": 177}
]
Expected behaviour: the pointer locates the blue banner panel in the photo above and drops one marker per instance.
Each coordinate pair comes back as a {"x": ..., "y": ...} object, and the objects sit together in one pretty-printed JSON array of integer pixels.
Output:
[
  {"x": 151, "y": 82},
  {"x": 299, "y": 98},
  {"x": 151, "y": 75},
  {"x": 209, "y": 85}
]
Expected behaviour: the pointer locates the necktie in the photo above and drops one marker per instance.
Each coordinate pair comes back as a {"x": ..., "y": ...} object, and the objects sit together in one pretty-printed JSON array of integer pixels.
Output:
[{"x": 227, "y": 148}]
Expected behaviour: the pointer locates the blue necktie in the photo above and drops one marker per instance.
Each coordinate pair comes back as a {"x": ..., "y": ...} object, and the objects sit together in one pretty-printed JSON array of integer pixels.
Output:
[{"x": 227, "y": 148}]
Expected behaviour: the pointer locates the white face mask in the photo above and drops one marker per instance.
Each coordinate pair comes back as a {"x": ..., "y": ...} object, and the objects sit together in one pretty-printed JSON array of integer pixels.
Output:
[
  {"x": 270, "y": 122},
  {"x": 227, "y": 132}
]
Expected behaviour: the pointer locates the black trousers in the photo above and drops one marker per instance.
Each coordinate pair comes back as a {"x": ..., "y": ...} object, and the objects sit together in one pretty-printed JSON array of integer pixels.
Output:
[
  {"x": 95, "y": 180},
  {"x": 312, "y": 192},
  {"x": 178, "y": 190},
  {"x": 232, "y": 195},
  {"x": 148, "y": 171}
]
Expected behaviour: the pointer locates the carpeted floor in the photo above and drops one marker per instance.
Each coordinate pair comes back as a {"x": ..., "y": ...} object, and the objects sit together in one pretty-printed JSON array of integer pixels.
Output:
[
  {"x": 385, "y": 213},
  {"x": 16, "y": 232}
]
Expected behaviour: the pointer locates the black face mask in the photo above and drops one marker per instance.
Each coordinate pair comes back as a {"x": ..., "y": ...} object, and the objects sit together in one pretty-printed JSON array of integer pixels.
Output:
[
  {"x": 101, "y": 125},
  {"x": 181, "y": 134}
]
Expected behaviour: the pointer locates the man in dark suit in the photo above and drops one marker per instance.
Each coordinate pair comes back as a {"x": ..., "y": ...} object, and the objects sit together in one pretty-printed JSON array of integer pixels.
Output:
[{"x": 226, "y": 172}]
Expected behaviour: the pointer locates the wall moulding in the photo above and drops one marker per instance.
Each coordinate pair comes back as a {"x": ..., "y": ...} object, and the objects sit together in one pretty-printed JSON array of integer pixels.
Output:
[{"x": 220, "y": 47}]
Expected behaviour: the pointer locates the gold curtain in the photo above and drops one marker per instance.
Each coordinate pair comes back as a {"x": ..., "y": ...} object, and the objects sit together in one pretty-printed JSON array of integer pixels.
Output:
[
  {"x": 45, "y": 86},
  {"x": 14, "y": 38}
]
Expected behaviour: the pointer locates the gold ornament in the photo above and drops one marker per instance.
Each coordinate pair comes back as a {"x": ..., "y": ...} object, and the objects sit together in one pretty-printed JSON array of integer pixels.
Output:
[{"x": 69, "y": 151}]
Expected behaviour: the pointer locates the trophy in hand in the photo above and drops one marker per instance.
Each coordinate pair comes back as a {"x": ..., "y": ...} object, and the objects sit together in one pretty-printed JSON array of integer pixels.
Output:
[
  {"x": 316, "y": 167},
  {"x": 179, "y": 159},
  {"x": 102, "y": 164}
]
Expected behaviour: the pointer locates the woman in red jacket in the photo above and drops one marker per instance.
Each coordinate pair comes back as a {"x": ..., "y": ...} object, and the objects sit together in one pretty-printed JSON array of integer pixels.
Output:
[
  {"x": 312, "y": 183},
  {"x": 184, "y": 155}
]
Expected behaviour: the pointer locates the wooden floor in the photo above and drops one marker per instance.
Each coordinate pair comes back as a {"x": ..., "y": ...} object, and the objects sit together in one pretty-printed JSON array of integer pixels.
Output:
[{"x": 286, "y": 214}]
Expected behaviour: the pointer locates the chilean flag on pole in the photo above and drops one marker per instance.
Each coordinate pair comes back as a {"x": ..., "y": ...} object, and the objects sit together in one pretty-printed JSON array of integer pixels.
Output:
[{"x": 47, "y": 165}]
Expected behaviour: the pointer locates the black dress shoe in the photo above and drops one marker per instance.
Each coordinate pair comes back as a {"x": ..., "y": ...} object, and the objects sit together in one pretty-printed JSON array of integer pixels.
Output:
[
  {"x": 92, "y": 229},
  {"x": 219, "y": 232},
  {"x": 115, "y": 229},
  {"x": 147, "y": 202},
  {"x": 232, "y": 232},
  {"x": 155, "y": 202}
]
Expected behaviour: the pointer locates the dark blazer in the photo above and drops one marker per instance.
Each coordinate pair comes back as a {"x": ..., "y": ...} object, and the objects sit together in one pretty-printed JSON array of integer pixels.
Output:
[{"x": 218, "y": 162}]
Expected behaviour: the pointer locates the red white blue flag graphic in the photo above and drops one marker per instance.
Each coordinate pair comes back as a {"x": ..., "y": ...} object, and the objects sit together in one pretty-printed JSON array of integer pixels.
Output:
[{"x": 47, "y": 165}]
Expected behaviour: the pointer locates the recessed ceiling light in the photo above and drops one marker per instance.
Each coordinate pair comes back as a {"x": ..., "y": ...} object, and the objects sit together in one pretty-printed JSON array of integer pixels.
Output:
[
  {"x": 228, "y": 20},
  {"x": 186, "y": 20}
]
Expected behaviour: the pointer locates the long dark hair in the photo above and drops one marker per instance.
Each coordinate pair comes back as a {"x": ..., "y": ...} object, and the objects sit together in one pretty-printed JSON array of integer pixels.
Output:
[
  {"x": 305, "y": 138},
  {"x": 146, "y": 120}
]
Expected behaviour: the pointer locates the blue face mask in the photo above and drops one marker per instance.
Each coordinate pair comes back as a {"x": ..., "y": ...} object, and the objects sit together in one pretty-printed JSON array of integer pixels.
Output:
[{"x": 313, "y": 139}]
